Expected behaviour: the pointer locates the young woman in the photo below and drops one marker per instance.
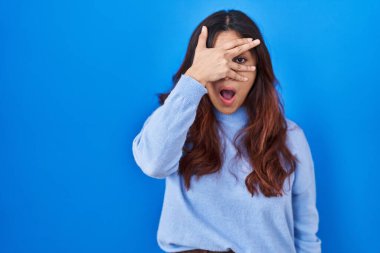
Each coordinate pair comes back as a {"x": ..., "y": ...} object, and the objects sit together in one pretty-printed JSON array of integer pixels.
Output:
[{"x": 239, "y": 174}]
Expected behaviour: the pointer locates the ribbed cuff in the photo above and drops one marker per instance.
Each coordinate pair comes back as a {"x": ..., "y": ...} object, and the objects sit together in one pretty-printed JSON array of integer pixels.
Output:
[{"x": 189, "y": 88}]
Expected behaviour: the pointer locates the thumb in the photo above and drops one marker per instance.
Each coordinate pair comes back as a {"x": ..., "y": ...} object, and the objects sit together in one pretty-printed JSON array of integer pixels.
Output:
[{"x": 202, "y": 39}]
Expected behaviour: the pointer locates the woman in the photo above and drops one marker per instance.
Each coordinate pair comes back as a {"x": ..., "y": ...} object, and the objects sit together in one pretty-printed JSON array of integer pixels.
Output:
[{"x": 239, "y": 175}]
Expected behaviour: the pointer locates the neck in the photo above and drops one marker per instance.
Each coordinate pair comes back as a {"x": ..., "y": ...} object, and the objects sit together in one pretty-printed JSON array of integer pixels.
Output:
[{"x": 236, "y": 119}]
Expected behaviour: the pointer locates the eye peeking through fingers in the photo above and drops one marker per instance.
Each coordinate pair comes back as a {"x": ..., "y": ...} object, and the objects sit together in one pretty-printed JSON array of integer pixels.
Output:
[{"x": 240, "y": 60}]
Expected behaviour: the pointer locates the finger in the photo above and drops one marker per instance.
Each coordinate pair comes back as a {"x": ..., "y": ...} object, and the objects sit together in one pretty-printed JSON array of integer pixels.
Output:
[
  {"x": 232, "y": 74},
  {"x": 241, "y": 49},
  {"x": 240, "y": 67},
  {"x": 237, "y": 42},
  {"x": 202, "y": 39}
]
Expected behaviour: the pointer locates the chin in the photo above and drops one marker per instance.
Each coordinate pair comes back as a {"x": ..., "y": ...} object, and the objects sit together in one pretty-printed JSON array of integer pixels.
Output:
[
  {"x": 227, "y": 110},
  {"x": 222, "y": 107}
]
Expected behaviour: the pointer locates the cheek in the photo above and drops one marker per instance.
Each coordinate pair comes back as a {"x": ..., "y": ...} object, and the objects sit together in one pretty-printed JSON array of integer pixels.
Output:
[
  {"x": 213, "y": 93},
  {"x": 244, "y": 90},
  {"x": 251, "y": 76},
  {"x": 214, "y": 87},
  {"x": 251, "y": 81}
]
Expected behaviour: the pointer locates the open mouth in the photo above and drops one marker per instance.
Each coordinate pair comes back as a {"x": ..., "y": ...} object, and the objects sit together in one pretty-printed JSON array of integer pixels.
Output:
[{"x": 227, "y": 95}]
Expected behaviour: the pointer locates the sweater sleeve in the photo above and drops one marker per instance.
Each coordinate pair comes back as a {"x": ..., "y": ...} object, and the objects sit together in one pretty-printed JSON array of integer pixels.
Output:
[
  {"x": 157, "y": 148},
  {"x": 305, "y": 213}
]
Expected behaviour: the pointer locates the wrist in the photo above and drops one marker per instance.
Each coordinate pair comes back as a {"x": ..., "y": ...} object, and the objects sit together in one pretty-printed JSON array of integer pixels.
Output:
[{"x": 195, "y": 76}]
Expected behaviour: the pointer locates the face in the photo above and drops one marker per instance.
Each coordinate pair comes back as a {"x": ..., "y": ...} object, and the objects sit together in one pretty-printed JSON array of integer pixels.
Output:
[{"x": 242, "y": 87}]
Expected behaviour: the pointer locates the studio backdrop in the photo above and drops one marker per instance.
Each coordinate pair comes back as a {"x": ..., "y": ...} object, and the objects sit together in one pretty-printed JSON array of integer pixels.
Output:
[{"x": 79, "y": 78}]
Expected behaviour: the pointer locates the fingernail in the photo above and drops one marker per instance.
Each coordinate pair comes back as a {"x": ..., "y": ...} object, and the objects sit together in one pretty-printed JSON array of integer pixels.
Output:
[{"x": 203, "y": 28}]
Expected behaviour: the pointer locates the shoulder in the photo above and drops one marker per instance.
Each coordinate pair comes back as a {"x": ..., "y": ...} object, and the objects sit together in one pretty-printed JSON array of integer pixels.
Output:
[
  {"x": 292, "y": 125},
  {"x": 292, "y": 128},
  {"x": 296, "y": 138},
  {"x": 299, "y": 146}
]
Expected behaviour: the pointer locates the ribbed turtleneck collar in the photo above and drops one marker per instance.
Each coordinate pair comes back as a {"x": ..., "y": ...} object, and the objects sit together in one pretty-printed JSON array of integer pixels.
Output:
[{"x": 236, "y": 119}]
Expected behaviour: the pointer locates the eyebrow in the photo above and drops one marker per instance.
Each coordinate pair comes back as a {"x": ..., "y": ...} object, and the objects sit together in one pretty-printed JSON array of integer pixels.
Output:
[{"x": 246, "y": 53}]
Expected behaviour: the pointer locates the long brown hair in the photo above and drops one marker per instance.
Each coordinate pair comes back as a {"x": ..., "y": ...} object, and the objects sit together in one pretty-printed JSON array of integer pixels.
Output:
[{"x": 264, "y": 137}]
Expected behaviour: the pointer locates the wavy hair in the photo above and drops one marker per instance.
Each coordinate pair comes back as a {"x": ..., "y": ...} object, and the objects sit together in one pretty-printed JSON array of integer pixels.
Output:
[{"x": 263, "y": 138}]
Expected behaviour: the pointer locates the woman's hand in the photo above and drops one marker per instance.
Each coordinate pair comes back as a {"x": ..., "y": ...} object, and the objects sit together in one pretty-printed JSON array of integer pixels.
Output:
[{"x": 212, "y": 64}]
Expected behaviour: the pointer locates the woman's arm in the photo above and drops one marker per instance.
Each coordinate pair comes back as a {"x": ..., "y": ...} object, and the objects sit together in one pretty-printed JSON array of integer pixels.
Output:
[
  {"x": 305, "y": 213},
  {"x": 157, "y": 149}
]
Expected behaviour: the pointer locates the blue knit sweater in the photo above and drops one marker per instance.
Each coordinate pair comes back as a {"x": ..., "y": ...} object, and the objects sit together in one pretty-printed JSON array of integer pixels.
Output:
[{"x": 218, "y": 213}]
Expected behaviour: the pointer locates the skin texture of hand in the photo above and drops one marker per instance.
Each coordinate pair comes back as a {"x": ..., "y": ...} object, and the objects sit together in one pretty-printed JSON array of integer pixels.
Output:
[{"x": 212, "y": 64}]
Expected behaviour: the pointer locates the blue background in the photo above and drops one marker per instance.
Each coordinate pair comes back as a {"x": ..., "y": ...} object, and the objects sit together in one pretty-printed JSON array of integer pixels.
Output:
[{"x": 79, "y": 78}]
